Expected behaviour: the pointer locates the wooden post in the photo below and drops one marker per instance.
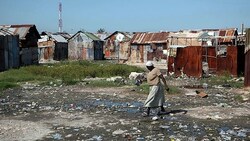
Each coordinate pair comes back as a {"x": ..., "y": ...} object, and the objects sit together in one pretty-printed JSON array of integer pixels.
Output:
[{"x": 247, "y": 59}]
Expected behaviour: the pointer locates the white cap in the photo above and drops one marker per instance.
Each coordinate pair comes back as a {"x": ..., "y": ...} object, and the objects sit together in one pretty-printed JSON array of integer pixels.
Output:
[{"x": 149, "y": 63}]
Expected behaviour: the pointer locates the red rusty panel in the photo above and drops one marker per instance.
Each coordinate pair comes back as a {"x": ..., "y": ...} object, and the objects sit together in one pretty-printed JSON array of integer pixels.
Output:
[
  {"x": 231, "y": 60},
  {"x": 222, "y": 65},
  {"x": 189, "y": 60}
]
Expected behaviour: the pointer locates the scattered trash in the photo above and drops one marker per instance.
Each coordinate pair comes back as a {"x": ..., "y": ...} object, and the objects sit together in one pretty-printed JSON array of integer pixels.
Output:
[
  {"x": 68, "y": 136},
  {"x": 155, "y": 118},
  {"x": 57, "y": 136},
  {"x": 119, "y": 132},
  {"x": 97, "y": 138},
  {"x": 202, "y": 94}
]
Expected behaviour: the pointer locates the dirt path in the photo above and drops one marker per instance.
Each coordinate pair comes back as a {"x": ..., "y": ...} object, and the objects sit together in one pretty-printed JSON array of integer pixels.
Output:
[{"x": 78, "y": 112}]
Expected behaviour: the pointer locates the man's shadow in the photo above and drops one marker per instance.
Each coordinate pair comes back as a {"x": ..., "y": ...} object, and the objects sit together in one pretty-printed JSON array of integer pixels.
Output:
[{"x": 173, "y": 112}]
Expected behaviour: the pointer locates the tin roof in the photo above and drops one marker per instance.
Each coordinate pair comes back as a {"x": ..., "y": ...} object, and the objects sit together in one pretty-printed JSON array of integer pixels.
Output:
[
  {"x": 4, "y": 32},
  {"x": 147, "y": 38},
  {"x": 59, "y": 38},
  {"x": 64, "y": 35},
  {"x": 92, "y": 36},
  {"x": 224, "y": 35},
  {"x": 126, "y": 34},
  {"x": 88, "y": 34},
  {"x": 21, "y": 30}
]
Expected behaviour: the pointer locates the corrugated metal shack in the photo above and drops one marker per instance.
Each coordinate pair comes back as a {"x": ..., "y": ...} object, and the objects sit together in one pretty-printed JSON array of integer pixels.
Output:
[
  {"x": 28, "y": 37},
  {"x": 9, "y": 50},
  {"x": 247, "y": 59},
  {"x": 53, "y": 46},
  {"x": 185, "y": 54},
  {"x": 221, "y": 51},
  {"x": 149, "y": 46},
  {"x": 85, "y": 46},
  {"x": 114, "y": 49}
]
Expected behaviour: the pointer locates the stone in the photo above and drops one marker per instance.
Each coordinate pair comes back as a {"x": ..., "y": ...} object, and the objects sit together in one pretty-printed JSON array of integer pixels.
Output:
[{"x": 119, "y": 132}]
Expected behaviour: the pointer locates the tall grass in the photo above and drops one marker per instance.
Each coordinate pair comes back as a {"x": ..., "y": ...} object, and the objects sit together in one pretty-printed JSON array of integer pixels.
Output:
[{"x": 68, "y": 72}]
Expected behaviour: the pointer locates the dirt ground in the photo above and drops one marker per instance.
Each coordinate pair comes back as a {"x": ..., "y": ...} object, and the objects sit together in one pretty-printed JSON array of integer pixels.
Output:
[{"x": 78, "y": 112}]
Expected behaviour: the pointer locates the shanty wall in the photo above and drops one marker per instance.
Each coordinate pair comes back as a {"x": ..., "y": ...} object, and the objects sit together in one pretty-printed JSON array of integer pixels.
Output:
[
  {"x": 98, "y": 50},
  {"x": 85, "y": 48},
  {"x": 9, "y": 52},
  {"x": 156, "y": 52},
  {"x": 209, "y": 56},
  {"x": 247, "y": 59},
  {"x": 28, "y": 56},
  {"x": 143, "y": 53},
  {"x": 61, "y": 51},
  {"x": 113, "y": 51},
  {"x": 135, "y": 54},
  {"x": 188, "y": 60},
  {"x": 46, "y": 50},
  {"x": 220, "y": 64}
]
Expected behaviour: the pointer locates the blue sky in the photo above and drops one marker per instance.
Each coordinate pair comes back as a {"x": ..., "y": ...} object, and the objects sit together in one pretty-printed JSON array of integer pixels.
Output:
[{"x": 126, "y": 15}]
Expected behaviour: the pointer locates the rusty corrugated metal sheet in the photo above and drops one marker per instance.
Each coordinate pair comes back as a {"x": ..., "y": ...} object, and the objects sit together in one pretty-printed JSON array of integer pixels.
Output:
[
  {"x": 148, "y": 38},
  {"x": 227, "y": 35},
  {"x": 186, "y": 62}
]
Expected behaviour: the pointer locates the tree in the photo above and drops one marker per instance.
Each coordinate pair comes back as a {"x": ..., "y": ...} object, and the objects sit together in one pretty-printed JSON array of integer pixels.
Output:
[{"x": 101, "y": 30}]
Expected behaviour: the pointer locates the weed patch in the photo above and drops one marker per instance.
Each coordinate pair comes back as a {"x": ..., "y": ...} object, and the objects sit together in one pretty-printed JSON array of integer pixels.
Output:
[
  {"x": 6, "y": 85},
  {"x": 69, "y": 72}
]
